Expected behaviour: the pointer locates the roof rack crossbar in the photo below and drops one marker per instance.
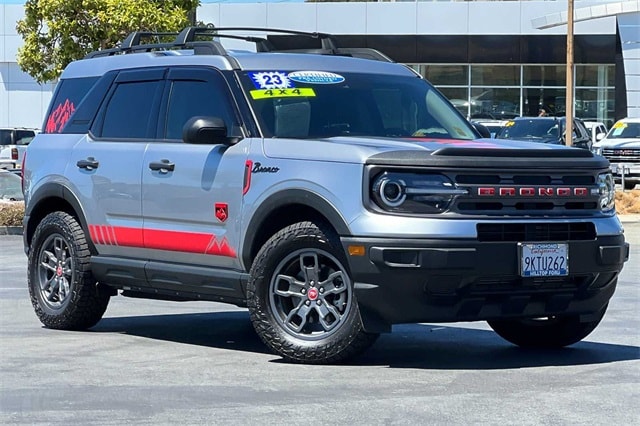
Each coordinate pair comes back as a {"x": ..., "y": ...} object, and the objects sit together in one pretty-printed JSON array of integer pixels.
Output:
[
  {"x": 134, "y": 38},
  {"x": 188, "y": 39}
]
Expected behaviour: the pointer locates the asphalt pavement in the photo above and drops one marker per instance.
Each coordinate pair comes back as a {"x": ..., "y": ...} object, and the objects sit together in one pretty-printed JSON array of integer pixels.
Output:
[{"x": 193, "y": 363}]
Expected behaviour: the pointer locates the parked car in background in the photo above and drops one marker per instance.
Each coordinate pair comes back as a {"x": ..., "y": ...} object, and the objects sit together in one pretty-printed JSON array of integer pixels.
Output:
[
  {"x": 494, "y": 126},
  {"x": 549, "y": 130},
  {"x": 621, "y": 146},
  {"x": 596, "y": 129},
  {"x": 10, "y": 186},
  {"x": 13, "y": 145}
]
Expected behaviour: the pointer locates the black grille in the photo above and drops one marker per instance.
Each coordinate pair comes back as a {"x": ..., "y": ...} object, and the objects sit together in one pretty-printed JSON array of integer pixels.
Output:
[
  {"x": 516, "y": 192},
  {"x": 516, "y": 232}
]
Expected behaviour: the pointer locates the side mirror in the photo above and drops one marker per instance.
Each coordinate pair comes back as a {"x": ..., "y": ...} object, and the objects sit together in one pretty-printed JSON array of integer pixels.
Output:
[
  {"x": 483, "y": 130},
  {"x": 600, "y": 136},
  {"x": 205, "y": 130}
]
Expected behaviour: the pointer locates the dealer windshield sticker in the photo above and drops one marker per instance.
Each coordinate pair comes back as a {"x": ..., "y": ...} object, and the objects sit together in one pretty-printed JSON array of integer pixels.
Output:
[
  {"x": 281, "y": 93},
  {"x": 315, "y": 77},
  {"x": 270, "y": 80},
  {"x": 509, "y": 123},
  {"x": 620, "y": 125}
]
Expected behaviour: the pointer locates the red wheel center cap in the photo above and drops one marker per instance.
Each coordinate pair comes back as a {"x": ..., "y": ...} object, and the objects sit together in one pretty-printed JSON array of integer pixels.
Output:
[
  {"x": 59, "y": 271},
  {"x": 313, "y": 293}
]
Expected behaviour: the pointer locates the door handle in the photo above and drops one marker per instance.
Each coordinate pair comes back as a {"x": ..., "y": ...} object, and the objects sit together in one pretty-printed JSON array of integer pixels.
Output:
[
  {"x": 88, "y": 164},
  {"x": 163, "y": 166}
]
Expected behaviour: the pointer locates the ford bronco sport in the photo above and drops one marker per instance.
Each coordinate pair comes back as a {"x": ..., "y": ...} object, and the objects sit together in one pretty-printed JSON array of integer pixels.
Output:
[{"x": 330, "y": 190}]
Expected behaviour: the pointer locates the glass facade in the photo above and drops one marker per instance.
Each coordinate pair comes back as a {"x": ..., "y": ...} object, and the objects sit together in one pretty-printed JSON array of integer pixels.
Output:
[{"x": 507, "y": 91}]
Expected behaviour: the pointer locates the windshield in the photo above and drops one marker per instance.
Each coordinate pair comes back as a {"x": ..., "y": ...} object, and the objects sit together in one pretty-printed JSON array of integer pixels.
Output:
[
  {"x": 530, "y": 129},
  {"x": 316, "y": 104},
  {"x": 622, "y": 130}
]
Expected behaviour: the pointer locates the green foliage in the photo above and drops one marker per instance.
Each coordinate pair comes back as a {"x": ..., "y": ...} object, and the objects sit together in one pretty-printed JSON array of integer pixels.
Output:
[
  {"x": 11, "y": 213},
  {"x": 56, "y": 32}
]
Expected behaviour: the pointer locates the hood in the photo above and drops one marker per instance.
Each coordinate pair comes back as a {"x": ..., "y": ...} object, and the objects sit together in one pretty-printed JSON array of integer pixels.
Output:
[
  {"x": 631, "y": 143},
  {"x": 357, "y": 149}
]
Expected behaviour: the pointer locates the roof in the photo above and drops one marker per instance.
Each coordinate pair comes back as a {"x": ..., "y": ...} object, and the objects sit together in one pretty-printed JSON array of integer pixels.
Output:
[{"x": 234, "y": 60}]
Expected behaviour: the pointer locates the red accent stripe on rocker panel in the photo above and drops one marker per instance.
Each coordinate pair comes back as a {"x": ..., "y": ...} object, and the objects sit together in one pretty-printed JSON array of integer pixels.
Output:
[{"x": 190, "y": 242}]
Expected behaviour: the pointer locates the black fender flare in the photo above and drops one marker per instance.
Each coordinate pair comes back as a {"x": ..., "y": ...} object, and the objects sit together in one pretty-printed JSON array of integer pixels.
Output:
[
  {"x": 59, "y": 191},
  {"x": 291, "y": 196}
]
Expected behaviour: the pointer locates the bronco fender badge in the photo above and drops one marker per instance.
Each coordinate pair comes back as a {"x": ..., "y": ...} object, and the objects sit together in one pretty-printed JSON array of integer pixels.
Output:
[{"x": 259, "y": 168}]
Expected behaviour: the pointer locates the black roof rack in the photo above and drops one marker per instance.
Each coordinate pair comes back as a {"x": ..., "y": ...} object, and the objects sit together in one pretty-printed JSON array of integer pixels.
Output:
[{"x": 202, "y": 41}]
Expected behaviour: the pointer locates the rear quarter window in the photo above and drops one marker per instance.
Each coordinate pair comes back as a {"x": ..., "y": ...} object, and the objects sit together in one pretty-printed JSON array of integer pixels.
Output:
[{"x": 67, "y": 97}]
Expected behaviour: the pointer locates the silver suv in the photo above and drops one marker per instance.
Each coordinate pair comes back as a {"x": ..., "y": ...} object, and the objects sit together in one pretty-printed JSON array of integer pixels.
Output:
[{"x": 329, "y": 190}]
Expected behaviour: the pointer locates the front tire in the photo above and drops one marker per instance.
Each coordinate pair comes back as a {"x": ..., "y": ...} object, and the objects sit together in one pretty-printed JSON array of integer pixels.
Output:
[
  {"x": 63, "y": 292},
  {"x": 301, "y": 298},
  {"x": 546, "y": 333}
]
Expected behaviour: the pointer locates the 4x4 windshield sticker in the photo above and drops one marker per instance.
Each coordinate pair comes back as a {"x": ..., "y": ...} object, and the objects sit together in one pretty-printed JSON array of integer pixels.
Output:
[
  {"x": 281, "y": 93},
  {"x": 315, "y": 77},
  {"x": 270, "y": 80},
  {"x": 59, "y": 117}
]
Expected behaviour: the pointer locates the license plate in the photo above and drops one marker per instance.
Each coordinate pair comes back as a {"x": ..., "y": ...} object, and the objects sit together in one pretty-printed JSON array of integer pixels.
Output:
[{"x": 544, "y": 259}]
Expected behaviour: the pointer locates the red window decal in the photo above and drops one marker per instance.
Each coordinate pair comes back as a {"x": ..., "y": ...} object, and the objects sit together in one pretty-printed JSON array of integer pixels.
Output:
[{"x": 59, "y": 117}]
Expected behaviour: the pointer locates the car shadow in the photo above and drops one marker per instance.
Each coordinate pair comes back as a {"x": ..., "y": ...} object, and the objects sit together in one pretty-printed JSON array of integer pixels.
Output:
[{"x": 428, "y": 346}]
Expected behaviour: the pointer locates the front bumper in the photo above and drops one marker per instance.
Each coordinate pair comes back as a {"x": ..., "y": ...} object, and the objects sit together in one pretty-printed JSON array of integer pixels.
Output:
[
  {"x": 439, "y": 280},
  {"x": 631, "y": 170}
]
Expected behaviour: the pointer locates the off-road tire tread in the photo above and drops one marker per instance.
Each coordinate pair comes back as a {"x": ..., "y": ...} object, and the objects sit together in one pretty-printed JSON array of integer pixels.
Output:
[
  {"x": 88, "y": 303},
  {"x": 334, "y": 351}
]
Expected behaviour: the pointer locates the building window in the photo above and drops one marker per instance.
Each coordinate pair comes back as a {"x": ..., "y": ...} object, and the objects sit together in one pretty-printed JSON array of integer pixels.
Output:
[
  {"x": 495, "y": 75},
  {"x": 595, "y": 75},
  {"x": 496, "y": 103},
  {"x": 544, "y": 75},
  {"x": 445, "y": 75}
]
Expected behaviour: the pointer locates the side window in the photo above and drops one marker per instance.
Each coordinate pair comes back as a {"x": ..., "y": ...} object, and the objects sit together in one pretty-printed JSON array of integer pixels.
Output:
[
  {"x": 129, "y": 110},
  {"x": 190, "y": 98},
  {"x": 68, "y": 96}
]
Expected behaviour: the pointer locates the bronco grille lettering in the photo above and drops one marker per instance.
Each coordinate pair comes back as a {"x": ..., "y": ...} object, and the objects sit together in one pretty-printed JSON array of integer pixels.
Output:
[{"x": 531, "y": 191}]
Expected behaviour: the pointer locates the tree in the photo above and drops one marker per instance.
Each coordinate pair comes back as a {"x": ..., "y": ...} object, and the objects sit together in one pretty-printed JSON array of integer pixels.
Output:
[{"x": 56, "y": 32}]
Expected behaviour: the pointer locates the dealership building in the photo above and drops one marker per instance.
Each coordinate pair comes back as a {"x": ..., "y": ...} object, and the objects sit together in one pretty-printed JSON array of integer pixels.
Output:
[{"x": 490, "y": 58}]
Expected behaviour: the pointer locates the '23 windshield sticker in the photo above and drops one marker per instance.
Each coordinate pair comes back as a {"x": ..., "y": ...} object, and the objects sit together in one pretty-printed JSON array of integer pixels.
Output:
[{"x": 270, "y": 80}]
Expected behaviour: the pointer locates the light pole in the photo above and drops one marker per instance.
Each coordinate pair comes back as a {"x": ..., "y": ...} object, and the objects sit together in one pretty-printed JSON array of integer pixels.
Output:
[{"x": 569, "y": 95}]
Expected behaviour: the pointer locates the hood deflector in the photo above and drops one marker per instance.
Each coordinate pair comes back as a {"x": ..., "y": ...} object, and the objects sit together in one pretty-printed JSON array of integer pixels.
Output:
[{"x": 490, "y": 158}]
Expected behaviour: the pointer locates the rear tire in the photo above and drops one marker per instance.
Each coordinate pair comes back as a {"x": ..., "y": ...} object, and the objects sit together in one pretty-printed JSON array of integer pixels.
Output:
[
  {"x": 550, "y": 332},
  {"x": 63, "y": 292},
  {"x": 629, "y": 185},
  {"x": 301, "y": 298}
]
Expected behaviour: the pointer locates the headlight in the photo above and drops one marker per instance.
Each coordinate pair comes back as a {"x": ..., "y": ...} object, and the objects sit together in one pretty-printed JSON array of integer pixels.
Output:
[
  {"x": 607, "y": 191},
  {"x": 597, "y": 150},
  {"x": 413, "y": 192}
]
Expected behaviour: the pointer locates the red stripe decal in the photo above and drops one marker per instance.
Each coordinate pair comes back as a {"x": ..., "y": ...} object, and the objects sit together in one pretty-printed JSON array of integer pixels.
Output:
[
  {"x": 92, "y": 232},
  {"x": 129, "y": 237},
  {"x": 189, "y": 242}
]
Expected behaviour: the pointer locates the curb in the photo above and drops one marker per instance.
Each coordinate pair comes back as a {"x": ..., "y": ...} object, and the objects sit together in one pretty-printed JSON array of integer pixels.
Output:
[
  {"x": 10, "y": 230},
  {"x": 629, "y": 218}
]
